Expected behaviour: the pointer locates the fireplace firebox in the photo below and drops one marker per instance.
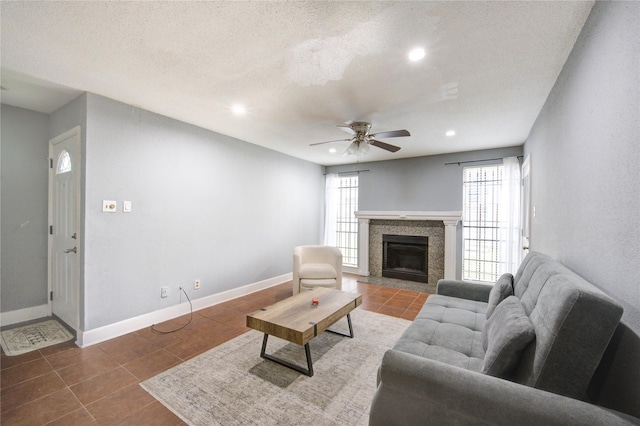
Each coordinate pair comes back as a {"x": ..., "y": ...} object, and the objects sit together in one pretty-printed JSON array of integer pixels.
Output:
[{"x": 405, "y": 257}]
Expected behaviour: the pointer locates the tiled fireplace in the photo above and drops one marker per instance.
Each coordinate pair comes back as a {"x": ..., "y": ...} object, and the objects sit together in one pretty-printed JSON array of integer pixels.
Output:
[{"x": 438, "y": 227}]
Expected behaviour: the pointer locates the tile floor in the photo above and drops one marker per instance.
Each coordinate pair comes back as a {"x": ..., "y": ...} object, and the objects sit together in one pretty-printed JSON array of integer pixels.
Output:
[{"x": 98, "y": 385}]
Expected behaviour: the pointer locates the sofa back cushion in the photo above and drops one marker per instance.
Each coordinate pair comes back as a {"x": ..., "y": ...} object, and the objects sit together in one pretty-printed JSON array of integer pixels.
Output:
[
  {"x": 573, "y": 323},
  {"x": 528, "y": 267}
]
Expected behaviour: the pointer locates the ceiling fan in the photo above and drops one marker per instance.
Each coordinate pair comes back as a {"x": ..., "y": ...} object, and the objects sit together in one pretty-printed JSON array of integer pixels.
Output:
[{"x": 362, "y": 138}]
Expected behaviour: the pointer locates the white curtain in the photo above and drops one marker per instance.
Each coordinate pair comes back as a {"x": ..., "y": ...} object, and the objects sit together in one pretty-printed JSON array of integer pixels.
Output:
[
  {"x": 510, "y": 216},
  {"x": 331, "y": 203}
]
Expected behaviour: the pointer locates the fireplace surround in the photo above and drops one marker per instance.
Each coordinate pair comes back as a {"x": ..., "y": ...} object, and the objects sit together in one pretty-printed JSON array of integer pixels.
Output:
[{"x": 439, "y": 226}]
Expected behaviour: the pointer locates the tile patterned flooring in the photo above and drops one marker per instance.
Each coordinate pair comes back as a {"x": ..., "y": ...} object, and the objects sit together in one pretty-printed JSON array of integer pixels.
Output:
[{"x": 98, "y": 385}]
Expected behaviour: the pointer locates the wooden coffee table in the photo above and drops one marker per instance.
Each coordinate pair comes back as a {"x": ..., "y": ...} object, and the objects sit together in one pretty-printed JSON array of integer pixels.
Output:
[{"x": 297, "y": 320}]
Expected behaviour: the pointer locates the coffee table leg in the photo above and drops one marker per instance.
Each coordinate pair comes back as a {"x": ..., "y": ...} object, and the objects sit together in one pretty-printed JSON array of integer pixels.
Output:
[
  {"x": 342, "y": 333},
  {"x": 309, "y": 362},
  {"x": 308, "y": 371}
]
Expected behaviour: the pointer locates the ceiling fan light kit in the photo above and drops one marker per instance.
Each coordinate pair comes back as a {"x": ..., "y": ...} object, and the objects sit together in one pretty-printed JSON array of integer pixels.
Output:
[{"x": 362, "y": 138}]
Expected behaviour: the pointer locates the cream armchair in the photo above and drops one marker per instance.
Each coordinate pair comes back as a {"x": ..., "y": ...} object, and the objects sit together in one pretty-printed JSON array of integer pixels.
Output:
[{"x": 316, "y": 266}]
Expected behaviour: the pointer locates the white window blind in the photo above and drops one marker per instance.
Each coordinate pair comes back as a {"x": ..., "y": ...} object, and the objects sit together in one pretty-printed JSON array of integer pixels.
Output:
[
  {"x": 347, "y": 223},
  {"x": 481, "y": 222}
]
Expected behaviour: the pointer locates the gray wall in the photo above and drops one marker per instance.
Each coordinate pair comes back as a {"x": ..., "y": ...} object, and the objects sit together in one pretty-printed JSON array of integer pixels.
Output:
[
  {"x": 24, "y": 137},
  {"x": 68, "y": 116},
  {"x": 420, "y": 184},
  {"x": 585, "y": 152},
  {"x": 205, "y": 206},
  {"x": 417, "y": 184}
]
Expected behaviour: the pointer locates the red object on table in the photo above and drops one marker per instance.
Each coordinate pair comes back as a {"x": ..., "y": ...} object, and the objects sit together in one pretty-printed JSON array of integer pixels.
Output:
[{"x": 315, "y": 301}]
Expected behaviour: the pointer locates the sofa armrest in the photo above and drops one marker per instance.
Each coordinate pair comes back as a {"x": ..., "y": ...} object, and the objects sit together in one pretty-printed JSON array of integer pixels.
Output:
[
  {"x": 464, "y": 290},
  {"x": 415, "y": 391}
]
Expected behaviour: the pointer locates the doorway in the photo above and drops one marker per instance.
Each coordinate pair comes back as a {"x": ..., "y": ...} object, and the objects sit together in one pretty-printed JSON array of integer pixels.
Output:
[
  {"x": 526, "y": 205},
  {"x": 64, "y": 227}
]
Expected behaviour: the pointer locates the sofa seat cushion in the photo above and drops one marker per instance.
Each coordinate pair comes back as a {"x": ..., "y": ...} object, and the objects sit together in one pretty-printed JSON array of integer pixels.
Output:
[
  {"x": 317, "y": 271},
  {"x": 448, "y": 330},
  {"x": 328, "y": 282},
  {"x": 467, "y": 313}
]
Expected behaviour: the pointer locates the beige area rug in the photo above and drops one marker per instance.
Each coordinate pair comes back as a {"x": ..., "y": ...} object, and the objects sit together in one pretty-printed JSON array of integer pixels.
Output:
[
  {"x": 232, "y": 385},
  {"x": 28, "y": 338}
]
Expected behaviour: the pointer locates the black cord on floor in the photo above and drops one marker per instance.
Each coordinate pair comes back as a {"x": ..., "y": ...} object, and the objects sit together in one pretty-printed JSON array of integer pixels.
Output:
[{"x": 153, "y": 327}]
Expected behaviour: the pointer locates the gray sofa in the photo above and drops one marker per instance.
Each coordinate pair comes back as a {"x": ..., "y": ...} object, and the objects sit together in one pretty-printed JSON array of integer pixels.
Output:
[{"x": 528, "y": 362}]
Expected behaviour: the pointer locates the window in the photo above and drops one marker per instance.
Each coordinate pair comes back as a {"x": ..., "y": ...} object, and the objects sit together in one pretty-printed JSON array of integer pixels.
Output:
[
  {"x": 346, "y": 222},
  {"x": 482, "y": 188},
  {"x": 64, "y": 163}
]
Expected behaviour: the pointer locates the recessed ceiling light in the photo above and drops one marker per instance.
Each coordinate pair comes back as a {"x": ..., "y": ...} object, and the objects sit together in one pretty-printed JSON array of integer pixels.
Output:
[
  {"x": 450, "y": 133},
  {"x": 332, "y": 150},
  {"x": 416, "y": 54},
  {"x": 239, "y": 109}
]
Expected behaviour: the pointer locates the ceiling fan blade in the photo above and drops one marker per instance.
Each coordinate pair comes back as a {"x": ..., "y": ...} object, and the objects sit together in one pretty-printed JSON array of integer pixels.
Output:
[
  {"x": 347, "y": 128},
  {"x": 391, "y": 134},
  {"x": 338, "y": 140},
  {"x": 383, "y": 145}
]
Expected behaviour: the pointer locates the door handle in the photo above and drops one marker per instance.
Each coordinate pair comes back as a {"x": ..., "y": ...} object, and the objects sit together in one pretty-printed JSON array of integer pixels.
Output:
[
  {"x": 71, "y": 250},
  {"x": 523, "y": 247}
]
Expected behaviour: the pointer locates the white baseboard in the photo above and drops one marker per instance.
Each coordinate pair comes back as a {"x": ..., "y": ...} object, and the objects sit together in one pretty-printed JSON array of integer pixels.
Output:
[
  {"x": 355, "y": 271},
  {"x": 24, "y": 315},
  {"x": 107, "y": 332}
]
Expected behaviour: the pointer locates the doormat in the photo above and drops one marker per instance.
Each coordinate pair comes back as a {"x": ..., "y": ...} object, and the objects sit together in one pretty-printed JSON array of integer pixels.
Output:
[{"x": 29, "y": 338}]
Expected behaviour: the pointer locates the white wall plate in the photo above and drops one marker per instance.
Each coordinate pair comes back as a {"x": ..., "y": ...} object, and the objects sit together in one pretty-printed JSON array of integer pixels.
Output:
[{"x": 109, "y": 206}]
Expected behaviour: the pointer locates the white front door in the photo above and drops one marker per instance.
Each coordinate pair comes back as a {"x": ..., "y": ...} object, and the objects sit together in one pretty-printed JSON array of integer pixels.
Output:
[{"x": 64, "y": 230}]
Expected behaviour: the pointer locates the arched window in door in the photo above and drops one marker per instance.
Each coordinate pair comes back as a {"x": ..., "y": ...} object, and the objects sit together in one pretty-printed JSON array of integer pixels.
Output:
[{"x": 64, "y": 163}]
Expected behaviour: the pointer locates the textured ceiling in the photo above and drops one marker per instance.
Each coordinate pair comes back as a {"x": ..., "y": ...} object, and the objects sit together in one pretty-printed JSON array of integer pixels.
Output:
[{"x": 301, "y": 68}]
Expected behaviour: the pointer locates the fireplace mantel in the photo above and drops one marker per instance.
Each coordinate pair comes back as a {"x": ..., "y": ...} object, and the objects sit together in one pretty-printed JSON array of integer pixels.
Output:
[{"x": 449, "y": 218}]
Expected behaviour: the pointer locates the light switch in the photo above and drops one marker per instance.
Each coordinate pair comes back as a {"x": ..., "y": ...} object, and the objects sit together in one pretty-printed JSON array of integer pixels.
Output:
[
  {"x": 126, "y": 206},
  {"x": 109, "y": 206}
]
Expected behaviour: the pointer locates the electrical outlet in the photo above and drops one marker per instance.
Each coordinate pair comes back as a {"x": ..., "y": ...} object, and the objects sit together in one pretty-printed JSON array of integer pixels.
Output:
[
  {"x": 109, "y": 206},
  {"x": 196, "y": 284},
  {"x": 164, "y": 292}
]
